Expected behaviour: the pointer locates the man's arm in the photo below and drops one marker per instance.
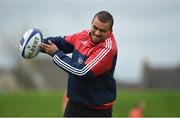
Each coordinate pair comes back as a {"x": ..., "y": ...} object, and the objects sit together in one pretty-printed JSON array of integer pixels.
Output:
[
  {"x": 60, "y": 43},
  {"x": 97, "y": 63}
]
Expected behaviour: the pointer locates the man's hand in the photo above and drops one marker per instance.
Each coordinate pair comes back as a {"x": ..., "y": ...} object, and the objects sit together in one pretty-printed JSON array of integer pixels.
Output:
[{"x": 49, "y": 48}]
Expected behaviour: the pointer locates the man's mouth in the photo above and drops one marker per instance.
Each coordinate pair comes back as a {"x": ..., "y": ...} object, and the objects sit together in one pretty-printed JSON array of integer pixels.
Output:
[{"x": 97, "y": 37}]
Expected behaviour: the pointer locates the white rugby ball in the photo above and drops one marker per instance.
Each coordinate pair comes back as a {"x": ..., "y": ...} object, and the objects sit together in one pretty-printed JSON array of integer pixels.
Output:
[{"x": 29, "y": 43}]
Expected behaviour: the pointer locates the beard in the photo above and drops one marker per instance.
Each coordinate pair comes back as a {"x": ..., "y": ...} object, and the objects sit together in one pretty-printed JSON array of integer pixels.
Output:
[{"x": 97, "y": 39}]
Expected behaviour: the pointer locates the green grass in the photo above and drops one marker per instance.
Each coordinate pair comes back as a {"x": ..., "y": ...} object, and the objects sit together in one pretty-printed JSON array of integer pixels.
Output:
[
  {"x": 30, "y": 104},
  {"x": 159, "y": 103}
]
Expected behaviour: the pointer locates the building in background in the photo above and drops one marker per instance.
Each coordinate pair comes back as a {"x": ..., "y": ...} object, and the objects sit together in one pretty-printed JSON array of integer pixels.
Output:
[
  {"x": 39, "y": 74},
  {"x": 33, "y": 75},
  {"x": 161, "y": 77}
]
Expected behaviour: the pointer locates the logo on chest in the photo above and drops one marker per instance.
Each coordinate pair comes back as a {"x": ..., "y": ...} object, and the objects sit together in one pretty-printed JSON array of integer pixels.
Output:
[
  {"x": 84, "y": 42},
  {"x": 80, "y": 60}
]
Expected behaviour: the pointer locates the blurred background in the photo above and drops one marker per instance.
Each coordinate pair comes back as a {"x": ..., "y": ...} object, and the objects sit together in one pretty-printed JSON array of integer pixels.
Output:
[{"x": 148, "y": 66}]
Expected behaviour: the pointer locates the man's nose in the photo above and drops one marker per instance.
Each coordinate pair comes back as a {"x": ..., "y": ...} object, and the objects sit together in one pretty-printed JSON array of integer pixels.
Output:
[{"x": 97, "y": 32}]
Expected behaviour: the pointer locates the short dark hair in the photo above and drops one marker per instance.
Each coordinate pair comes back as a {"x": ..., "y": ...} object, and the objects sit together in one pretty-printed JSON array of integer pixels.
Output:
[{"x": 105, "y": 17}]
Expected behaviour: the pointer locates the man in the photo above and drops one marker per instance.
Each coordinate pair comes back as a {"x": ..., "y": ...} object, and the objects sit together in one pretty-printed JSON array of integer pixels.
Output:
[
  {"x": 91, "y": 87},
  {"x": 137, "y": 110}
]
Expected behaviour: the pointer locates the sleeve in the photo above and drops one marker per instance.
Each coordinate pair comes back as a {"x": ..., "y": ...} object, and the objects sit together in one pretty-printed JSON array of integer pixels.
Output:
[
  {"x": 66, "y": 43},
  {"x": 61, "y": 43},
  {"x": 97, "y": 63}
]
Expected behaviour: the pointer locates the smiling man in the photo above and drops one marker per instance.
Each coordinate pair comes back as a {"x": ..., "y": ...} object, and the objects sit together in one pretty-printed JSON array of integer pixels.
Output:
[{"x": 91, "y": 88}]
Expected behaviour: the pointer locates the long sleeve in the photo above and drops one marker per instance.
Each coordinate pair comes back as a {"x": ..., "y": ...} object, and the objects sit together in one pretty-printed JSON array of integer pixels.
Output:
[{"x": 61, "y": 43}]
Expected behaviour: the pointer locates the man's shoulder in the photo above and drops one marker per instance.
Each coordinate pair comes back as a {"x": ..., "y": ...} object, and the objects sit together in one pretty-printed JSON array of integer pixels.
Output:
[
  {"x": 83, "y": 35},
  {"x": 87, "y": 31},
  {"x": 110, "y": 43},
  {"x": 84, "y": 32}
]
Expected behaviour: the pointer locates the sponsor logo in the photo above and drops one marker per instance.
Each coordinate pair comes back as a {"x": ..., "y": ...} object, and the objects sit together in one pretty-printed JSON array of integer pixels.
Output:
[
  {"x": 84, "y": 42},
  {"x": 80, "y": 60}
]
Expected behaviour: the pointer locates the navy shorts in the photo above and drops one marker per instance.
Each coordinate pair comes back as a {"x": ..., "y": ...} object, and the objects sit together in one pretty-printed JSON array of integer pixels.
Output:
[{"x": 74, "y": 109}]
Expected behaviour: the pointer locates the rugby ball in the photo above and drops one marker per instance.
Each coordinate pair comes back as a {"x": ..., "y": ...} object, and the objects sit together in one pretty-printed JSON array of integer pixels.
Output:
[{"x": 29, "y": 43}]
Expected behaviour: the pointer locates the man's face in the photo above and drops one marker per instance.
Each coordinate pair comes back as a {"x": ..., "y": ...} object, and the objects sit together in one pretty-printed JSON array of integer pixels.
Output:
[{"x": 99, "y": 30}]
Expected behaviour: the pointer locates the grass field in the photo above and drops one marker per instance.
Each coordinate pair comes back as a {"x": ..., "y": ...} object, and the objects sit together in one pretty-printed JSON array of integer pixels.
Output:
[{"x": 159, "y": 103}]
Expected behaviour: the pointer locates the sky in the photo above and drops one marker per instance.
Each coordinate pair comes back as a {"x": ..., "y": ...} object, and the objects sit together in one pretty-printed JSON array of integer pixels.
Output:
[{"x": 144, "y": 29}]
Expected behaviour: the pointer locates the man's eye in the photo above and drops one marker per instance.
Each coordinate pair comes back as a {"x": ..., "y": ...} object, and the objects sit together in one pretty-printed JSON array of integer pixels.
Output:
[
  {"x": 103, "y": 30},
  {"x": 95, "y": 27}
]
